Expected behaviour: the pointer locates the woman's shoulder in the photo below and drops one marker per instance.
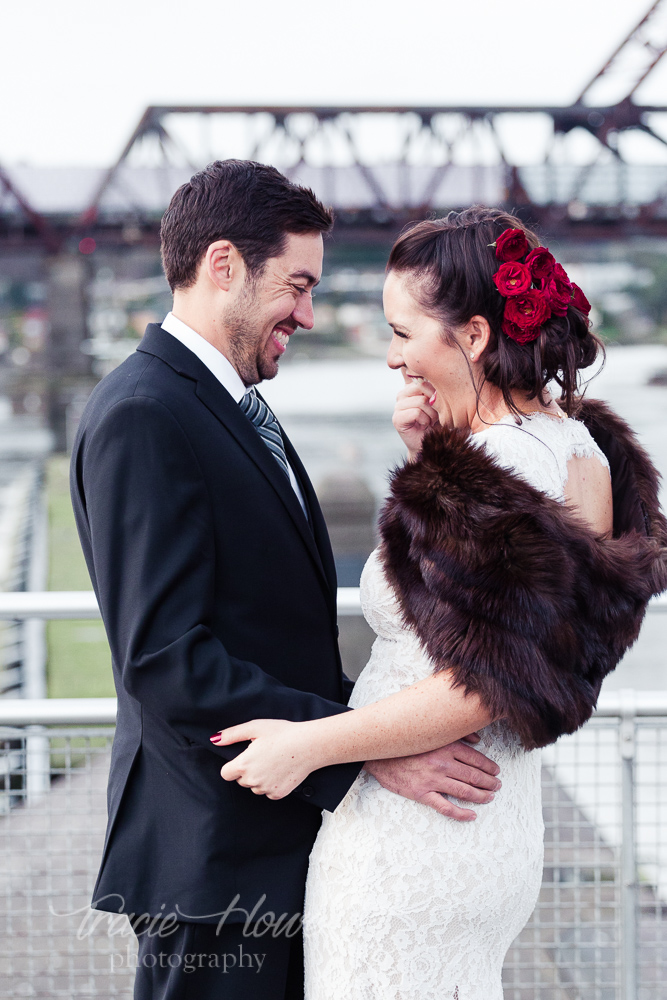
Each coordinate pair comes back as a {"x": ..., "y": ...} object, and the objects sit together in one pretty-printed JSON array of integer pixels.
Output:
[
  {"x": 567, "y": 436},
  {"x": 525, "y": 450},
  {"x": 539, "y": 446}
]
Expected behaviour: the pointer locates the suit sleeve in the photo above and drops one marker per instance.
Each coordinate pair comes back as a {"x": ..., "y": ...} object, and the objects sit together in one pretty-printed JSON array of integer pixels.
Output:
[{"x": 151, "y": 536}]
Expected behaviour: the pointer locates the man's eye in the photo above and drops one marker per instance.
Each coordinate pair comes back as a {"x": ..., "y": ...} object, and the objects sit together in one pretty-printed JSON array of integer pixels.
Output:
[{"x": 300, "y": 288}]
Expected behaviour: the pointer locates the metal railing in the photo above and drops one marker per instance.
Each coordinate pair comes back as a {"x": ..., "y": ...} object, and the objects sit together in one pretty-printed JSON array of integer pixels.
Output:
[
  {"x": 79, "y": 604},
  {"x": 598, "y": 932}
]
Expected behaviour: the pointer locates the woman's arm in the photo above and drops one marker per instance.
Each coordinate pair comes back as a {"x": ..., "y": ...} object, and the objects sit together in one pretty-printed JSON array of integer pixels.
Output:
[
  {"x": 427, "y": 715},
  {"x": 588, "y": 493}
]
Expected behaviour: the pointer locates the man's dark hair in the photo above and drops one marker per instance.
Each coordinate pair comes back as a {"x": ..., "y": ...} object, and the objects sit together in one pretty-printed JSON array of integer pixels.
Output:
[{"x": 251, "y": 205}]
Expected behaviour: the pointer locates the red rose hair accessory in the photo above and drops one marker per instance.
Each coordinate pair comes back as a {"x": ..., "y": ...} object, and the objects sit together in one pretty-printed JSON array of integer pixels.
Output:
[
  {"x": 511, "y": 245},
  {"x": 540, "y": 263},
  {"x": 579, "y": 300},
  {"x": 524, "y": 315},
  {"x": 536, "y": 289},
  {"x": 513, "y": 279},
  {"x": 558, "y": 290}
]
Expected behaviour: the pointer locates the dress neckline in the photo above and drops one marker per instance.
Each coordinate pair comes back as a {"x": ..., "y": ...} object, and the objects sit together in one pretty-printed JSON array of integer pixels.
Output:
[{"x": 557, "y": 417}]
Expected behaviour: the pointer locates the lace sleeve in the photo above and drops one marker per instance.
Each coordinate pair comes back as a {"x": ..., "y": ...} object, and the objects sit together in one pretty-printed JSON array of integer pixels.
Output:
[
  {"x": 540, "y": 448},
  {"x": 526, "y": 451},
  {"x": 580, "y": 444}
]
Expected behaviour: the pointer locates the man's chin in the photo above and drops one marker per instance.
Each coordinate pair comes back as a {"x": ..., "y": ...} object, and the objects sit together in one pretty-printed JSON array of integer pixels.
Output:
[{"x": 268, "y": 369}]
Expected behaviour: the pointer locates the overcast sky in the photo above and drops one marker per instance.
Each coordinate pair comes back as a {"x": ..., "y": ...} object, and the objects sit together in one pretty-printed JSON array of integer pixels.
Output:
[{"x": 76, "y": 75}]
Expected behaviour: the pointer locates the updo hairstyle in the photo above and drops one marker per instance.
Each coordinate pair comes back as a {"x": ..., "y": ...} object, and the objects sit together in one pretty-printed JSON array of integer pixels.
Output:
[{"x": 450, "y": 263}]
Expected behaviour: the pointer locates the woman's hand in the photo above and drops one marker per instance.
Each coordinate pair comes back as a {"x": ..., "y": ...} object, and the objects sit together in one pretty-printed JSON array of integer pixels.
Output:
[
  {"x": 277, "y": 760},
  {"x": 413, "y": 414}
]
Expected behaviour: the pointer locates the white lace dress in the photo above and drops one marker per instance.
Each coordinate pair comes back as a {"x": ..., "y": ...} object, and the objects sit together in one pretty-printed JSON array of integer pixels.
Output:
[{"x": 401, "y": 902}]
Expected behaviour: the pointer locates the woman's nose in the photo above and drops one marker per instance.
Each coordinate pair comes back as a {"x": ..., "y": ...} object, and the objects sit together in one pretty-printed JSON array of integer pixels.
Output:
[{"x": 395, "y": 354}]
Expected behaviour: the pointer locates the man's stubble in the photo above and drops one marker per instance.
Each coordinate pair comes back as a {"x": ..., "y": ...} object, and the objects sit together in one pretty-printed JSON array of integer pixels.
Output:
[{"x": 243, "y": 320}]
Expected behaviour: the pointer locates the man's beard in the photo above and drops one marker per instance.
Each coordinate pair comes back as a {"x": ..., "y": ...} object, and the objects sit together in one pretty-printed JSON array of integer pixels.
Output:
[{"x": 246, "y": 345}]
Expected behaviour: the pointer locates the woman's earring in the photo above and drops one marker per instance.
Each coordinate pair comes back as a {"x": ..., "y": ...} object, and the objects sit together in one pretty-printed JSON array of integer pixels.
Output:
[{"x": 472, "y": 356}]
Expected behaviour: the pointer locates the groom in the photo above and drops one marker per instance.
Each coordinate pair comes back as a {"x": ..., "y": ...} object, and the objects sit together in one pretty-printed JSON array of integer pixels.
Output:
[{"x": 211, "y": 563}]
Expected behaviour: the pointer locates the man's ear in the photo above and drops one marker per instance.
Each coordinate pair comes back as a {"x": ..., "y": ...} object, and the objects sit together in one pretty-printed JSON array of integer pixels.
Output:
[{"x": 224, "y": 265}]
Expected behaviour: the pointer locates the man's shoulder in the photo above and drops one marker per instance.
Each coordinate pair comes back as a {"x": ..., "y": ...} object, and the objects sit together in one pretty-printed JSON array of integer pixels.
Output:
[{"x": 140, "y": 377}]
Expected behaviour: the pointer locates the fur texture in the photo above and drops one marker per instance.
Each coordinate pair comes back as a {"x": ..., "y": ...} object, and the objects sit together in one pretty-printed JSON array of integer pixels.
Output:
[{"x": 512, "y": 592}]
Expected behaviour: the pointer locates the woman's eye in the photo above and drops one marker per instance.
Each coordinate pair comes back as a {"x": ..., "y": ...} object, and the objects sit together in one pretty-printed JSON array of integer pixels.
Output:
[{"x": 397, "y": 333}]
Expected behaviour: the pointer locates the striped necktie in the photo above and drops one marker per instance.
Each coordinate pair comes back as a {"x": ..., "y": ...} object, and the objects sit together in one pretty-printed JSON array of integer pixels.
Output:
[{"x": 261, "y": 416}]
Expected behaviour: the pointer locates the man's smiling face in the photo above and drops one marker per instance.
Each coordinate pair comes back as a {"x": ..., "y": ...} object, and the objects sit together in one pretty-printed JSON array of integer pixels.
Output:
[{"x": 271, "y": 306}]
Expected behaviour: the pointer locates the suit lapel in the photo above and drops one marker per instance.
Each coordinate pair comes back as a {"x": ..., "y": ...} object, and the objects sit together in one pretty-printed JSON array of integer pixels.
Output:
[
  {"x": 319, "y": 528},
  {"x": 221, "y": 404}
]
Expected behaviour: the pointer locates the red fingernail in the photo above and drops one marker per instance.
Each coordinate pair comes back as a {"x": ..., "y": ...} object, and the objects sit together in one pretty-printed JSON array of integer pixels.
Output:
[{"x": 214, "y": 739}]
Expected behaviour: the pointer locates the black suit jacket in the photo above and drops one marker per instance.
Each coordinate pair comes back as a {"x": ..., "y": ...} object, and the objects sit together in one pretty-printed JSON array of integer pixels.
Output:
[{"x": 219, "y": 602}]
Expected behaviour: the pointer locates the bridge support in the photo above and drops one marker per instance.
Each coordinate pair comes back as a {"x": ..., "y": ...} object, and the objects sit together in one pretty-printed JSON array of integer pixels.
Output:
[{"x": 67, "y": 367}]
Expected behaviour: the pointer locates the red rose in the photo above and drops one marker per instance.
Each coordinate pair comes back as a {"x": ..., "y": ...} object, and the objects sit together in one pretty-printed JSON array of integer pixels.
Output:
[
  {"x": 579, "y": 300},
  {"x": 540, "y": 263},
  {"x": 512, "y": 279},
  {"x": 521, "y": 336},
  {"x": 511, "y": 245},
  {"x": 558, "y": 290},
  {"x": 528, "y": 310}
]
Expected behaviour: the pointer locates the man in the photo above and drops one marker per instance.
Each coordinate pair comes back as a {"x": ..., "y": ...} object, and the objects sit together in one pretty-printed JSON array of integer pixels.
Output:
[{"x": 210, "y": 559}]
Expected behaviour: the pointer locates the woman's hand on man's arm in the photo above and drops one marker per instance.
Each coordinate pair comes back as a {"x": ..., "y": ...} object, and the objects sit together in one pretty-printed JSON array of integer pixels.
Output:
[
  {"x": 424, "y": 719},
  {"x": 277, "y": 765}
]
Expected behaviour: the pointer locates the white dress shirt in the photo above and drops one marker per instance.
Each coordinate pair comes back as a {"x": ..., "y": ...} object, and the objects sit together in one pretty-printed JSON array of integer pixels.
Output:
[{"x": 222, "y": 368}]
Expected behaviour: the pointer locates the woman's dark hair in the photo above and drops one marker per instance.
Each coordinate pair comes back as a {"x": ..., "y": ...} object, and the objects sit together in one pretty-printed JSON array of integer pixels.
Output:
[
  {"x": 251, "y": 205},
  {"x": 450, "y": 266}
]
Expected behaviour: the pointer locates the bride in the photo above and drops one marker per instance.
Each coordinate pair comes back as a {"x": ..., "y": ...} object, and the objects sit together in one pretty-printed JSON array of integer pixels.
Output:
[{"x": 513, "y": 573}]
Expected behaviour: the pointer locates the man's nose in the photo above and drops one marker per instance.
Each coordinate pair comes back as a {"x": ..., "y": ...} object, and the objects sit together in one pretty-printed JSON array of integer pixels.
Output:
[{"x": 303, "y": 312}]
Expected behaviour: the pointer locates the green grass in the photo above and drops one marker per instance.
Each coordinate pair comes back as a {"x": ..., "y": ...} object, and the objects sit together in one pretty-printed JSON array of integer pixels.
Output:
[{"x": 79, "y": 661}]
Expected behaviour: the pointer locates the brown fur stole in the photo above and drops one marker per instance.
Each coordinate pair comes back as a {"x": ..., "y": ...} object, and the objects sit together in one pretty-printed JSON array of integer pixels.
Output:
[{"x": 508, "y": 589}]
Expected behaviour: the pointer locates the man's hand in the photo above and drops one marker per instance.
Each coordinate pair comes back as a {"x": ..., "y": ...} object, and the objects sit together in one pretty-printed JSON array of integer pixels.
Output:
[{"x": 456, "y": 770}]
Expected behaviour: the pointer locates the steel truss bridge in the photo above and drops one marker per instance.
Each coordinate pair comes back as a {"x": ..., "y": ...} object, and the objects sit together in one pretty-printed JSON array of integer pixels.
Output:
[
  {"x": 382, "y": 166},
  {"x": 379, "y": 167}
]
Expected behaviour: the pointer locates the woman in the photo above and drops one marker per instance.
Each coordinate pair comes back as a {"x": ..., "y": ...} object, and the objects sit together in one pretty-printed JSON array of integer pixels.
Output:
[{"x": 512, "y": 575}]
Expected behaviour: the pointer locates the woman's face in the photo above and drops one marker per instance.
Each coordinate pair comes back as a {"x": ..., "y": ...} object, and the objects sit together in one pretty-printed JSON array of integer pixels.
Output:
[{"x": 418, "y": 349}]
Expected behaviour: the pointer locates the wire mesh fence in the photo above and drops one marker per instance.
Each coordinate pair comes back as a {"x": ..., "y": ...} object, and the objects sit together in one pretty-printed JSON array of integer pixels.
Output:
[
  {"x": 51, "y": 943},
  {"x": 20, "y": 488},
  {"x": 572, "y": 947},
  {"x": 599, "y": 931}
]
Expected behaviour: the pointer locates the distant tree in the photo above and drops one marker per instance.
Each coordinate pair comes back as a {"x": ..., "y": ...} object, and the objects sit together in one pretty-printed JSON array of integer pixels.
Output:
[
  {"x": 652, "y": 298},
  {"x": 16, "y": 295}
]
